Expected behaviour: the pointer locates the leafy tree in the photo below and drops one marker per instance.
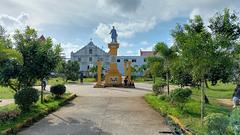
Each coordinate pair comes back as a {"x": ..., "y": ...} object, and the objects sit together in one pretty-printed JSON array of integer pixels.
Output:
[
  {"x": 71, "y": 70},
  {"x": 168, "y": 56},
  {"x": 225, "y": 29},
  {"x": 194, "y": 45},
  {"x": 154, "y": 66},
  {"x": 6, "y": 51},
  {"x": 39, "y": 58}
]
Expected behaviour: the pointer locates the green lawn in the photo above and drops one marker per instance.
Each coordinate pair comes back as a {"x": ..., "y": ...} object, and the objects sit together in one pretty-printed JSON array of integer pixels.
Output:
[
  {"x": 60, "y": 80},
  {"x": 6, "y": 93},
  {"x": 190, "y": 117},
  {"x": 35, "y": 111}
]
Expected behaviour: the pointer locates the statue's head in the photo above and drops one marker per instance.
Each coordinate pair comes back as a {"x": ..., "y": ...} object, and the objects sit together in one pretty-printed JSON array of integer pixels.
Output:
[{"x": 113, "y": 27}]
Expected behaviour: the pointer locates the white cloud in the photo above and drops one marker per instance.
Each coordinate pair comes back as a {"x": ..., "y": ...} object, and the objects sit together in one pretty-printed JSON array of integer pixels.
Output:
[
  {"x": 144, "y": 43},
  {"x": 11, "y": 23},
  {"x": 126, "y": 44},
  {"x": 70, "y": 47},
  {"x": 125, "y": 29}
]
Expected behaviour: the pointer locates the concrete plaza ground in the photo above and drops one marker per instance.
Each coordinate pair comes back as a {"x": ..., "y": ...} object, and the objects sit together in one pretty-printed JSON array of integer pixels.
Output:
[{"x": 102, "y": 111}]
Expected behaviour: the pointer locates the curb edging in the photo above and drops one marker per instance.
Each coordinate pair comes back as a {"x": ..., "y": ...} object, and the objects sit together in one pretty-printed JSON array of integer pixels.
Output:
[{"x": 30, "y": 121}]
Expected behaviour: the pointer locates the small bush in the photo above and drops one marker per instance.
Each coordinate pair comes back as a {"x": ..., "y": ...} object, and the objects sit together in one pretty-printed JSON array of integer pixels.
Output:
[
  {"x": 164, "y": 97},
  {"x": 26, "y": 97},
  {"x": 58, "y": 89},
  {"x": 235, "y": 121},
  {"x": 180, "y": 96},
  {"x": 216, "y": 124},
  {"x": 6, "y": 115},
  {"x": 158, "y": 87}
]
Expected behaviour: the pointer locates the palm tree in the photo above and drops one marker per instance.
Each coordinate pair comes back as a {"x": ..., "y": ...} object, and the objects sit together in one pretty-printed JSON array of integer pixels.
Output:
[{"x": 168, "y": 55}]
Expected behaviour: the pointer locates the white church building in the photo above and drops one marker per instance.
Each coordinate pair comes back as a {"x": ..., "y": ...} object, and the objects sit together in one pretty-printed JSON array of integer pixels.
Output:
[{"x": 89, "y": 54}]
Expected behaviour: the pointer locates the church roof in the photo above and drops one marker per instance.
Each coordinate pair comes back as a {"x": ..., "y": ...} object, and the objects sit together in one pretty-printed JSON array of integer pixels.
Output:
[{"x": 91, "y": 44}]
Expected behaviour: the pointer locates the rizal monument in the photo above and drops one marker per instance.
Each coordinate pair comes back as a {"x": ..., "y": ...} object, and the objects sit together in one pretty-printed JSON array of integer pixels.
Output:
[{"x": 113, "y": 77}]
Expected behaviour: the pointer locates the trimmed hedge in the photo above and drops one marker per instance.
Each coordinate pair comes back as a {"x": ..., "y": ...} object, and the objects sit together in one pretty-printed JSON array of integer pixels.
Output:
[
  {"x": 26, "y": 97},
  {"x": 58, "y": 89}
]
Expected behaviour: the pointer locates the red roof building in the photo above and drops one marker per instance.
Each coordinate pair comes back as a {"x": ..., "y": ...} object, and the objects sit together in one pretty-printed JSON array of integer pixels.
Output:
[{"x": 146, "y": 53}]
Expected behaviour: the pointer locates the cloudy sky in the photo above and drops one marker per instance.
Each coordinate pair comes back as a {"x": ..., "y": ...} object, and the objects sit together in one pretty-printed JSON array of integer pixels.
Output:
[{"x": 140, "y": 23}]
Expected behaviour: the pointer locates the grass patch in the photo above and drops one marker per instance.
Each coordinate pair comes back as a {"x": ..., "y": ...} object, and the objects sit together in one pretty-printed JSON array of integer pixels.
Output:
[
  {"x": 6, "y": 93},
  {"x": 60, "y": 80},
  {"x": 219, "y": 91},
  {"x": 35, "y": 112},
  {"x": 190, "y": 116}
]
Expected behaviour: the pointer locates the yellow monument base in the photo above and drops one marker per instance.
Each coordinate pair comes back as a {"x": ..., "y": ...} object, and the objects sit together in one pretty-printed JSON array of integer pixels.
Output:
[
  {"x": 113, "y": 77},
  {"x": 99, "y": 75}
]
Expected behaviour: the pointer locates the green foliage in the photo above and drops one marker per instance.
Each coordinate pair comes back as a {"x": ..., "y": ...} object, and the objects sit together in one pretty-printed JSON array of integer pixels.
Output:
[
  {"x": 235, "y": 121},
  {"x": 164, "y": 97},
  {"x": 181, "y": 75},
  {"x": 6, "y": 50},
  {"x": 34, "y": 112},
  {"x": 26, "y": 97},
  {"x": 180, "y": 96},
  {"x": 70, "y": 70},
  {"x": 6, "y": 93},
  {"x": 168, "y": 55},
  {"x": 191, "y": 116},
  {"x": 158, "y": 87},
  {"x": 216, "y": 124},
  {"x": 40, "y": 58},
  {"x": 58, "y": 89}
]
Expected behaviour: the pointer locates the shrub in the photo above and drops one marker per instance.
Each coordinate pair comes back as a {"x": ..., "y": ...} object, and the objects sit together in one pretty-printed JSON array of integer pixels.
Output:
[
  {"x": 164, "y": 97},
  {"x": 216, "y": 124},
  {"x": 235, "y": 121},
  {"x": 180, "y": 96},
  {"x": 26, "y": 97},
  {"x": 158, "y": 87},
  {"x": 6, "y": 115},
  {"x": 58, "y": 89}
]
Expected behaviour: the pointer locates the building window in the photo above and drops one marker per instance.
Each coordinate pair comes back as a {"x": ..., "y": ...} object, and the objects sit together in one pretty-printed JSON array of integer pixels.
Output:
[
  {"x": 79, "y": 59},
  {"x": 90, "y": 51},
  {"x": 134, "y": 60},
  {"x": 88, "y": 67},
  {"x": 118, "y": 60},
  {"x": 145, "y": 60},
  {"x": 90, "y": 59}
]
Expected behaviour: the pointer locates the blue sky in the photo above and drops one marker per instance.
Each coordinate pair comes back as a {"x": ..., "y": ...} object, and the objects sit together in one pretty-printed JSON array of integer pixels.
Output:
[{"x": 140, "y": 23}]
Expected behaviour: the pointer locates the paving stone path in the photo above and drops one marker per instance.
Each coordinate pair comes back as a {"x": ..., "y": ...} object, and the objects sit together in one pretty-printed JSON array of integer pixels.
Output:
[{"x": 102, "y": 111}]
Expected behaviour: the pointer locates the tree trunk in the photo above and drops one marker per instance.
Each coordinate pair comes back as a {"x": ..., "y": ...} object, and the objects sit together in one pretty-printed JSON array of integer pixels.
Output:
[
  {"x": 41, "y": 92},
  {"x": 153, "y": 79},
  {"x": 206, "y": 83},
  {"x": 205, "y": 96},
  {"x": 202, "y": 101},
  {"x": 167, "y": 77}
]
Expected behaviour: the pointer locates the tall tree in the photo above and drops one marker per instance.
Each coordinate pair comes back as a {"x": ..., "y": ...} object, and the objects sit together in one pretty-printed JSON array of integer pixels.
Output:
[
  {"x": 225, "y": 28},
  {"x": 195, "y": 47},
  {"x": 168, "y": 56},
  {"x": 39, "y": 60}
]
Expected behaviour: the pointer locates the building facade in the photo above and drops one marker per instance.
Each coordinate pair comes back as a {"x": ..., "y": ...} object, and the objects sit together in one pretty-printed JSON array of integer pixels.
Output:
[{"x": 89, "y": 54}]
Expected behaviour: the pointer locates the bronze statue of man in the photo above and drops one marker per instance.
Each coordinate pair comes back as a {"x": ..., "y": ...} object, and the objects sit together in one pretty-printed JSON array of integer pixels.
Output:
[{"x": 114, "y": 35}]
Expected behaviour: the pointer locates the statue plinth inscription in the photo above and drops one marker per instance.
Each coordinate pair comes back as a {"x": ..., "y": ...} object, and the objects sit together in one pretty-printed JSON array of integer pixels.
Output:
[{"x": 113, "y": 76}]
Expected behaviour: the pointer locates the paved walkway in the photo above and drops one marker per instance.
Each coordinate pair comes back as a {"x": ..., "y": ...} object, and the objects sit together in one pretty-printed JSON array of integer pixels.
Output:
[
  {"x": 98, "y": 111},
  {"x": 4, "y": 102}
]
